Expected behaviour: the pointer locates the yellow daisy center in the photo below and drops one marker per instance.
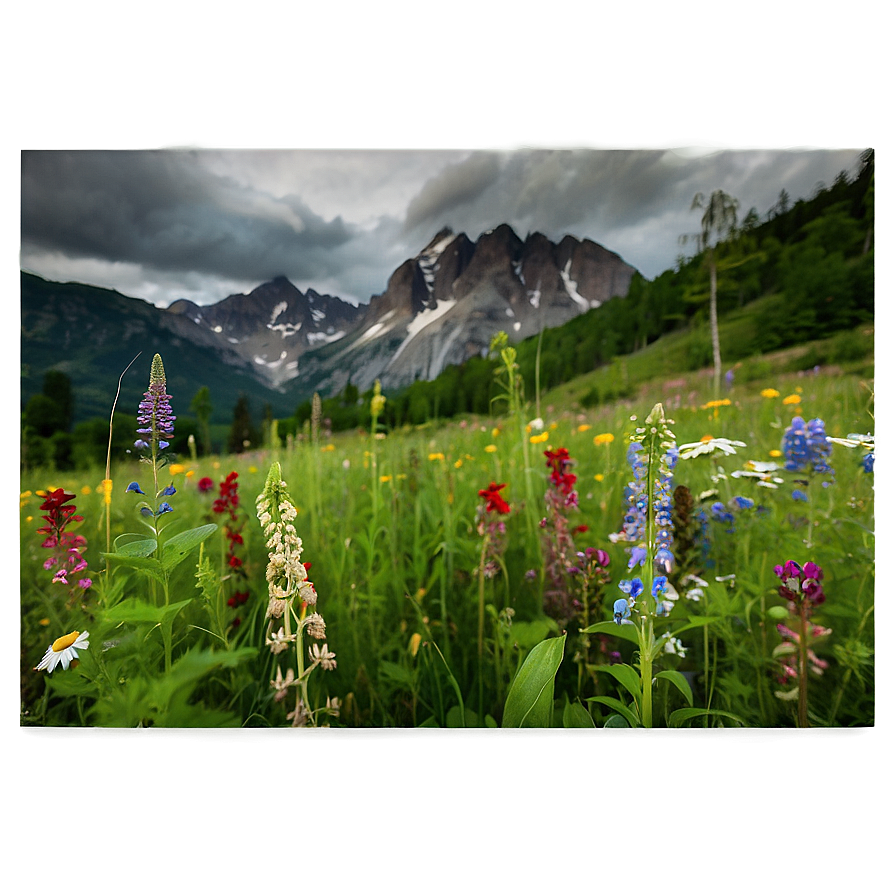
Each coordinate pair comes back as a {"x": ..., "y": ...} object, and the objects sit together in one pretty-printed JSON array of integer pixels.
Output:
[
  {"x": 65, "y": 641},
  {"x": 706, "y": 439}
]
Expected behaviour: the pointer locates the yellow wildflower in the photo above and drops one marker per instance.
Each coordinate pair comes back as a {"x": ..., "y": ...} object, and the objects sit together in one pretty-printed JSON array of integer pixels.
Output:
[
  {"x": 604, "y": 438},
  {"x": 190, "y": 473},
  {"x": 599, "y": 477},
  {"x": 86, "y": 490},
  {"x": 107, "y": 491},
  {"x": 253, "y": 469},
  {"x": 437, "y": 455},
  {"x": 414, "y": 645},
  {"x": 385, "y": 478},
  {"x": 28, "y": 519},
  {"x": 44, "y": 622},
  {"x": 491, "y": 449},
  {"x": 553, "y": 426},
  {"x": 496, "y": 432},
  {"x": 719, "y": 403},
  {"x": 26, "y": 494},
  {"x": 458, "y": 463},
  {"x": 176, "y": 468},
  {"x": 774, "y": 453},
  {"x": 583, "y": 427},
  {"x": 792, "y": 399},
  {"x": 769, "y": 393},
  {"x": 541, "y": 437}
]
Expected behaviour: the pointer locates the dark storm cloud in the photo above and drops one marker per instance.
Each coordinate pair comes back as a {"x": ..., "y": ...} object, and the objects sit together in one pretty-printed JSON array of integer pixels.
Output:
[
  {"x": 455, "y": 186},
  {"x": 162, "y": 210}
]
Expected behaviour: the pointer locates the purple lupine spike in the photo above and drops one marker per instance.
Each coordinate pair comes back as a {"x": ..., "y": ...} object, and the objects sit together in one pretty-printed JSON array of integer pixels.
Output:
[{"x": 154, "y": 416}]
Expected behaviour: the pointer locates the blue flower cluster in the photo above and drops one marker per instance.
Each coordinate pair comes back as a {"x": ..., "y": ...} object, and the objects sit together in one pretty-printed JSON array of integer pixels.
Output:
[
  {"x": 868, "y": 463},
  {"x": 663, "y": 507},
  {"x": 722, "y": 514},
  {"x": 805, "y": 447},
  {"x": 635, "y": 521},
  {"x": 164, "y": 507}
]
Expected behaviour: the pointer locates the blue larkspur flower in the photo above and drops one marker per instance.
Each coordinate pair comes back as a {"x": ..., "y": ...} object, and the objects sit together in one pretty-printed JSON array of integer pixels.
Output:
[
  {"x": 135, "y": 487},
  {"x": 806, "y": 447},
  {"x": 743, "y": 503},
  {"x": 631, "y": 587},
  {"x": 164, "y": 507},
  {"x": 868, "y": 463},
  {"x": 154, "y": 417},
  {"x": 621, "y": 610},
  {"x": 638, "y": 557},
  {"x": 169, "y": 491},
  {"x": 146, "y": 511},
  {"x": 798, "y": 495}
]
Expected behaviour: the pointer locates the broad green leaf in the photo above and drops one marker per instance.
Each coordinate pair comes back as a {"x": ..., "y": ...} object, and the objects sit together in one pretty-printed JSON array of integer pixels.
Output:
[
  {"x": 179, "y": 546},
  {"x": 777, "y": 612},
  {"x": 784, "y": 649},
  {"x": 146, "y": 564},
  {"x": 429, "y": 723},
  {"x": 626, "y": 676},
  {"x": 623, "y": 710},
  {"x": 531, "y": 697},
  {"x": 680, "y": 682},
  {"x": 528, "y": 634},
  {"x": 696, "y": 622},
  {"x": 576, "y": 716},
  {"x": 628, "y": 632},
  {"x": 490, "y": 722},
  {"x": 142, "y": 548},
  {"x": 677, "y": 718},
  {"x": 134, "y": 610},
  {"x": 457, "y": 718},
  {"x": 616, "y": 721}
]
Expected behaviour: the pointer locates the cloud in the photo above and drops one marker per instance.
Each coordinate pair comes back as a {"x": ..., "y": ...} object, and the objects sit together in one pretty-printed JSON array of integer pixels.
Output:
[
  {"x": 454, "y": 186},
  {"x": 163, "y": 210}
]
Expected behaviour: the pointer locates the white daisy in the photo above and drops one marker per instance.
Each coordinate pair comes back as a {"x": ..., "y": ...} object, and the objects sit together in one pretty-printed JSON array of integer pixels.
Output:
[
  {"x": 854, "y": 440},
  {"x": 692, "y": 449},
  {"x": 63, "y": 650}
]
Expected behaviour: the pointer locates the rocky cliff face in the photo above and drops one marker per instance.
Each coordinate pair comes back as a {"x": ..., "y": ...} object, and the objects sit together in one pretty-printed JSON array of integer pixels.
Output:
[
  {"x": 274, "y": 325},
  {"x": 439, "y": 308},
  {"x": 446, "y": 304}
]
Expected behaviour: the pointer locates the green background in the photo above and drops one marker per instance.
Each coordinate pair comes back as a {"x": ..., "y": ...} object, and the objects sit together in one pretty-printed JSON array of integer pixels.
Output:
[{"x": 447, "y": 812}]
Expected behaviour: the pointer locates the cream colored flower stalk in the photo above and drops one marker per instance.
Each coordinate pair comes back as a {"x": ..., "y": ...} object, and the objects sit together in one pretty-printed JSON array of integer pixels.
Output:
[{"x": 290, "y": 595}]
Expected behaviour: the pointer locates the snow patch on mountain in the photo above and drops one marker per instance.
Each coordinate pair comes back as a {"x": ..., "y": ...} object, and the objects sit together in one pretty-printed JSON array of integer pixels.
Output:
[
  {"x": 314, "y": 338},
  {"x": 423, "y": 320},
  {"x": 278, "y": 309},
  {"x": 571, "y": 285}
]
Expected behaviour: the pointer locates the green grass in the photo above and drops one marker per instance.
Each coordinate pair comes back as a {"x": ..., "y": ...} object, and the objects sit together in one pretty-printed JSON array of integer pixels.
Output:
[{"x": 390, "y": 529}]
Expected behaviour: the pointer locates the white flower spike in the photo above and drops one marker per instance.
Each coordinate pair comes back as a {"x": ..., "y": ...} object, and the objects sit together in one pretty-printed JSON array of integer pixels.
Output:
[{"x": 63, "y": 650}]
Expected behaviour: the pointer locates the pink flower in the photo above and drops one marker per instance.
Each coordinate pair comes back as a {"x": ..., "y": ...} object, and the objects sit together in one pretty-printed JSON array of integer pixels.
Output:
[{"x": 85, "y": 583}]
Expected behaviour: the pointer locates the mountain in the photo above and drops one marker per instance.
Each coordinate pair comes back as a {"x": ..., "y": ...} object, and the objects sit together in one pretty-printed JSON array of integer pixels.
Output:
[
  {"x": 445, "y": 305},
  {"x": 279, "y": 345},
  {"x": 92, "y": 334},
  {"x": 273, "y": 325}
]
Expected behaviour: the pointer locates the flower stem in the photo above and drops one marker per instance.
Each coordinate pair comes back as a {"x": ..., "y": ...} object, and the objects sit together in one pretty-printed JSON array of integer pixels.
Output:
[{"x": 804, "y": 666}]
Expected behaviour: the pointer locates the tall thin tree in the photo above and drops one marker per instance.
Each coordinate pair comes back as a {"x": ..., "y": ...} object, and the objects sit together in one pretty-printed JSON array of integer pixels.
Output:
[{"x": 719, "y": 219}]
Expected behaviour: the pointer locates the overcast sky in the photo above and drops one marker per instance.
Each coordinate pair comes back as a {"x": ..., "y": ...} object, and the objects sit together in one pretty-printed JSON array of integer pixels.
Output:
[{"x": 204, "y": 224}]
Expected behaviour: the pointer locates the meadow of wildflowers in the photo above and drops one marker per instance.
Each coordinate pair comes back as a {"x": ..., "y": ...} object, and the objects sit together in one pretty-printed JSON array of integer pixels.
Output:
[{"x": 656, "y": 562}]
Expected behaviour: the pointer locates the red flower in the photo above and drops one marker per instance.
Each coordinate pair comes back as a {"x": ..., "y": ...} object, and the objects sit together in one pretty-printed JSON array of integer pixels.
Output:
[
  {"x": 494, "y": 501},
  {"x": 206, "y": 484},
  {"x": 235, "y": 562}
]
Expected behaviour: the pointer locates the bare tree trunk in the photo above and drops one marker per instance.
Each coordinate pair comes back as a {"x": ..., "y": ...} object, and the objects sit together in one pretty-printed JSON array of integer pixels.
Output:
[{"x": 714, "y": 327}]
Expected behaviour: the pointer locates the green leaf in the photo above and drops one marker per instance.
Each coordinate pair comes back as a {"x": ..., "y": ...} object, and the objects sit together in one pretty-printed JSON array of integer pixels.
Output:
[
  {"x": 531, "y": 697},
  {"x": 147, "y": 564},
  {"x": 136, "y": 611},
  {"x": 142, "y": 548},
  {"x": 490, "y": 722},
  {"x": 457, "y": 718},
  {"x": 626, "y": 676},
  {"x": 680, "y": 682},
  {"x": 623, "y": 710},
  {"x": 576, "y": 716},
  {"x": 692, "y": 712},
  {"x": 616, "y": 721},
  {"x": 179, "y": 546},
  {"x": 777, "y": 612},
  {"x": 528, "y": 634},
  {"x": 628, "y": 632},
  {"x": 696, "y": 622}
]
